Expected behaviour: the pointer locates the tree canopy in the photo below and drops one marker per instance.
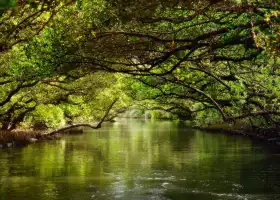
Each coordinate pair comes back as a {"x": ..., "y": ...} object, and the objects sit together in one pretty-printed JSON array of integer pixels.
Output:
[{"x": 207, "y": 61}]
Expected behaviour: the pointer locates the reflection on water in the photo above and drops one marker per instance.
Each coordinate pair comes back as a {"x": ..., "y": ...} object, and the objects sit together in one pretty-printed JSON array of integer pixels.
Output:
[{"x": 137, "y": 159}]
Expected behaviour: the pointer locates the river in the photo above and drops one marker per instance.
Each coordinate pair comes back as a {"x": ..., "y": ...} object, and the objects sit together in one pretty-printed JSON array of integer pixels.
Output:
[{"x": 138, "y": 160}]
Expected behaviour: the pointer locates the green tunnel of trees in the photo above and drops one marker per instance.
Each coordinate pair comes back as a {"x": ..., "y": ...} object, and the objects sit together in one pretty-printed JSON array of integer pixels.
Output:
[{"x": 204, "y": 62}]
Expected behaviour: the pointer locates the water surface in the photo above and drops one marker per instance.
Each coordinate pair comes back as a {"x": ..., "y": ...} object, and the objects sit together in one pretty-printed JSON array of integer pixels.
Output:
[{"x": 138, "y": 160}]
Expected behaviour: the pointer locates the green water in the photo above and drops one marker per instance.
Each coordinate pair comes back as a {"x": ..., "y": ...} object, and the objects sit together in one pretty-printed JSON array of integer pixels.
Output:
[{"x": 139, "y": 159}]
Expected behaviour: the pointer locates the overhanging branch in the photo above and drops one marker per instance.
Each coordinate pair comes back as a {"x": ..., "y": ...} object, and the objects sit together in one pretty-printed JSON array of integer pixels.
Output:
[{"x": 84, "y": 124}]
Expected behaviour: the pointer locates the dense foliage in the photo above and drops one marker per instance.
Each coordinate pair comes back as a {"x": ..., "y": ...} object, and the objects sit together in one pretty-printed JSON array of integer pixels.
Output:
[{"x": 202, "y": 61}]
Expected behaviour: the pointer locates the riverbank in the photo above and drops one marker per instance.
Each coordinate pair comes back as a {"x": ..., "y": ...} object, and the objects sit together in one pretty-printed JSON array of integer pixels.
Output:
[
  {"x": 21, "y": 138},
  {"x": 268, "y": 136}
]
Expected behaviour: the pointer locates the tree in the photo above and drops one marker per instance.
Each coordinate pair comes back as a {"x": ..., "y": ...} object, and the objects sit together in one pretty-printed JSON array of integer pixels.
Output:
[{"x": 212, "y": 60}]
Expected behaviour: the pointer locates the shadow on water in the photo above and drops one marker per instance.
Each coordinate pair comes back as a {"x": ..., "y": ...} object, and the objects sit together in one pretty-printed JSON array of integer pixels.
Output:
[{"x": 138, "y": 159}]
